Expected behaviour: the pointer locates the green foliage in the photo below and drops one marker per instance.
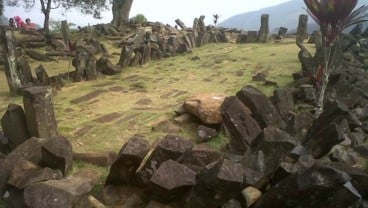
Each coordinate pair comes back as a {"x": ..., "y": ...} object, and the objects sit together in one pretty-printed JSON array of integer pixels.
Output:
[
  {"x": 139, "y": 18},
  {"x": 219, "y": 142}
]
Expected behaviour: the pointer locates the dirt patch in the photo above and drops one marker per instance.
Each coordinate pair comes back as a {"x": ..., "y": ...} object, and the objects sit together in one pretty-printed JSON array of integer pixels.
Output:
[
  {"x": 239, "y": 73},
  {"x": 103, "y": 84},
  {"x": 207, "y": 80},
  {"x": 116, "y": 89},
  {"x": 133, "y": 77},
  {"x": 128, "y": 118},
  {"x": 88, "y": 96},
  {"x": 108, "y": 118},
  {"x": 82, "y": 131},
  {"x": 144, "y": 102}
]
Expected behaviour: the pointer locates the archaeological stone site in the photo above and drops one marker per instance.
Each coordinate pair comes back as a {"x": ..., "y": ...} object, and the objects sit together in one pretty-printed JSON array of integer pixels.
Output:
[{"x": 140, "y": 114}]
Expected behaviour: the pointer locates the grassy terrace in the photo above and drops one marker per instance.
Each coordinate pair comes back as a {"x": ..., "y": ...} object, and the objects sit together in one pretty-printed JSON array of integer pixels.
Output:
[{"x": 101, "y": 115}]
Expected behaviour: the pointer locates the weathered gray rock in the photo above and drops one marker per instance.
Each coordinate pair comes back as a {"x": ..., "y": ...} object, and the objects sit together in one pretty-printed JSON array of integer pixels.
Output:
[
  {"x": 269, "y": 148},
  {"x": 205, "y": 134},
  {"x": 13, "y": 123},
  {"x": 126, "y": 57},
  {"x": 57, "y": 153},
  {"x": 130, "y": 156},
  {"x": 261, "y": 106},
  {"x": 11, "y": 71},
  {"x": 301, "y": 33},
  {"x": 120, "y": 196},
  {"x": 264, "y": 31},
  {"x": 284, "y": 102},
  {"x": 171, "y": 147},
  {"x": 181, "y": 24},
  {"x": 170, "y": 181},
  {"x": 201, "y": 156},
  {"x": 29, "y": 150},
  {"x": 242, "y": 127},
  {"x": 218, "y": 184},
  {"x": 61, "y": 193},
  {"x": 302, "y": 122},
  {"x": 39, "y": 110},
  {"x": 314, "y": 187},
  {"x": 327, "y": 130},
  {"x": 105, "y": 66},
  {"x": 26, "y": 173},
  {"x": 42, "y": 76},
  {"x": 233, "y": 203},
  {"x": 85, "y": 64}
]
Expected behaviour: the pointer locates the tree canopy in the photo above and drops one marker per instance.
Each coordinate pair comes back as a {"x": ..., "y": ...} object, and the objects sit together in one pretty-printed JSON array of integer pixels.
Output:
[{"x": 93, "y": 7}]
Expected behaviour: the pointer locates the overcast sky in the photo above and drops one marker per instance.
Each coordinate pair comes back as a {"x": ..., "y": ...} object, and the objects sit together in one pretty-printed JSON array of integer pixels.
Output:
[{"x": 165, "y": 11}]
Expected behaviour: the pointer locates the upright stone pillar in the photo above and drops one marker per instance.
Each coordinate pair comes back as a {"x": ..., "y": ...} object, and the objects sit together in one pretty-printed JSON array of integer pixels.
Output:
[
  {"x": 39, "y": 112},
  {"x": 85, "y": 64},
  {"x": 14, "y": 125},
  {"x": 181, "y": 24},
  {"x": 301, "y": 33},
  {"x": 264, "y": 31},
  {"x": 11, "y": 65}
]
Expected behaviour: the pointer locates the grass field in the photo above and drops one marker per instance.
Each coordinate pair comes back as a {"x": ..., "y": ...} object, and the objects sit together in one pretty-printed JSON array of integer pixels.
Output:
[{"x": 101, "y": 115}]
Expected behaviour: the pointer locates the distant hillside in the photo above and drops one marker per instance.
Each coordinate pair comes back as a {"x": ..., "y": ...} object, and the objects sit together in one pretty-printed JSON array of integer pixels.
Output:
[{"x": 282, "y": 15}]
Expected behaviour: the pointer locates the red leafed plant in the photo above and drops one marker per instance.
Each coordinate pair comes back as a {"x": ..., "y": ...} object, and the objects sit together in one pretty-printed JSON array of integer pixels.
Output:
[{"x": 333, "y": 16}]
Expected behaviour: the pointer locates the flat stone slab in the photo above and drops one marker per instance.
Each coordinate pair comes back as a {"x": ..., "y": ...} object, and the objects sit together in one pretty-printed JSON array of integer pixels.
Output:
[
  {"x": 88, "y": 96},
  {"x": 108, "y": 118}
]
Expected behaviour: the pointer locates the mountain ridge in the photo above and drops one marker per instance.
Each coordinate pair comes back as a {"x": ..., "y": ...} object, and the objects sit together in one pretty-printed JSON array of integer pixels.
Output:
[{"x": 282, "y": 15}]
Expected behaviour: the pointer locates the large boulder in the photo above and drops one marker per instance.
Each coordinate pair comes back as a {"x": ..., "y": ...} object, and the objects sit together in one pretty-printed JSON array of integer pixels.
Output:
[
  {"x": 26, "y": 173},
  {"x": 242, "y": 127},
  {"x": 261, "y": 106},
  {"x": 201, "y": 156},
  {"x": 14, "y": 125},
  {"x": 57, "y": 153},
  {"x": 127, "y": 162},
  {"x": 206, "y": 107},
  {"x": 171, "y": 147},
  {"x": 39, "y": 111},
  {"x": 321, "y": 185},
  {"x": 220, "y": 182},
  {"x": 29, "y": 150},
  {"x": 66, "y": 192},
  {"x": 327, "y": 130},
  {"x": 170, "y": 181},
  {"x": 105, "y": 66}
]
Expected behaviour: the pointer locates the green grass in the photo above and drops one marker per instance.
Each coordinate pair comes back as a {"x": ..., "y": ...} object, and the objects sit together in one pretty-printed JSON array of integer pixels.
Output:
[{"x": 222, "y": 68}]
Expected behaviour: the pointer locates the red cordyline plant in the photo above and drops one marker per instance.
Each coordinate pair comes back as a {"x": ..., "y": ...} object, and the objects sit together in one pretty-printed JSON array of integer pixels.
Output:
[{"x": 333, "y": 16}]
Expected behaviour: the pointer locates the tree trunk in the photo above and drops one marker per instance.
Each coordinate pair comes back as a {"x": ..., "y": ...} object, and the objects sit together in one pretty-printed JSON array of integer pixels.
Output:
[
  {"x": 120, "y": 12},
  {"x": 1, "y": 7},
  {"x": 46, "y": 11}
]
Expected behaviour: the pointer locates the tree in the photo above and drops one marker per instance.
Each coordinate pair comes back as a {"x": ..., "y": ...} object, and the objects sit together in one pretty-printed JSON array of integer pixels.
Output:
[
  {"x": 120, "y": 12},
  {"x": 333, "y": 16},
  {"x": 139, "y": 18},
  {"x": 215, "y": 18},
  {"x": 86, "y": 6},
  {"x": 1, "y": 7}
]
